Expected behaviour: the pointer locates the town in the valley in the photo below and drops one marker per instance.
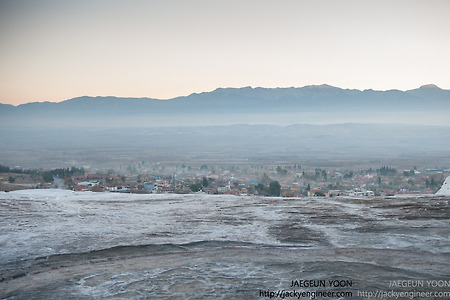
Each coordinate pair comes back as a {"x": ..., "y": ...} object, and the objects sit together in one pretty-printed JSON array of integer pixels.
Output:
[{"x": 285, "y": 180}]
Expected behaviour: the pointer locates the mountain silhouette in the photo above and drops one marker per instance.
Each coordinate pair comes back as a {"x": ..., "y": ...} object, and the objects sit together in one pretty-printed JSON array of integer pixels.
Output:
[{"x": 223, "y": 102}]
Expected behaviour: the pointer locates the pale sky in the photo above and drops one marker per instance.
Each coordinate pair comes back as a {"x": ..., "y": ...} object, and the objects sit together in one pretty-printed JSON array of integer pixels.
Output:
[{"x": 53, "y": 50}]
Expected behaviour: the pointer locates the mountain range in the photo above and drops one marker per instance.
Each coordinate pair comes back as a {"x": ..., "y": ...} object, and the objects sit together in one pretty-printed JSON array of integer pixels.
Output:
[
  {"x": 321, "y": 103},
  {"x": 283, "y": 124}
]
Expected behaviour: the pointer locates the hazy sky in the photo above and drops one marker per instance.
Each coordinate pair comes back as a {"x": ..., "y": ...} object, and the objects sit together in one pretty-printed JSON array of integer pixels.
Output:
[{"x": 56, "y": 50}]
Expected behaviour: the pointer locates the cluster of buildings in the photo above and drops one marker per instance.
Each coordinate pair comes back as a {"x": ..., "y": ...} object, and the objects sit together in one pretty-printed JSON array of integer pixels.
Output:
[{"x": 255, "y": 180}]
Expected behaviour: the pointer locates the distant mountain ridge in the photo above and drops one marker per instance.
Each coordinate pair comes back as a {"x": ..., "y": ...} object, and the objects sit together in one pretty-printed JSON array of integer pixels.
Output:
[{"x": 246, "y": 100}]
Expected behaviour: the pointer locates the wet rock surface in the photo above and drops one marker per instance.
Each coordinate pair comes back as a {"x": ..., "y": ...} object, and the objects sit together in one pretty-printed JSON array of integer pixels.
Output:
[{"x": 60, "y": 244}]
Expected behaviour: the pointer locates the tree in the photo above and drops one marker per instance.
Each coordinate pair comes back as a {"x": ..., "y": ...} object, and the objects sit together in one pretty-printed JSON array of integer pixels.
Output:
[
  {"x": 274, "y": 189},
  {"x": 317, "y": 173},
  {"x": 195, "y": 187},
  {"x": 409, "y": 173},
  {"x": 205, "y": 182},
  {"x": 265, "y": 179},
  {"x": 281, "y": 172},
  {"x": 348, "y": 175},
  {"x": 11, "y": 179},
  {"x": 259, "y": 188},
  {"x": 47, "y": 176}
]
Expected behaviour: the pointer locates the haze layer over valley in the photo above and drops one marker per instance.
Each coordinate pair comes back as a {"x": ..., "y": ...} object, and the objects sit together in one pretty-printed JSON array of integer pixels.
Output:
[{"x": 232, "y": 124}]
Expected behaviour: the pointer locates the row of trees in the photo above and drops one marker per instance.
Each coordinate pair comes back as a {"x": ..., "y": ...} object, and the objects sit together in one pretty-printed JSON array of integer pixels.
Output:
[
  {"x": 273, "y": 188},
  {"x": 46, "y": 175},
  {"x": 62, "y": 173},
  {"x": 6, "y": 169},
  {"x": 386, "y": 171}
]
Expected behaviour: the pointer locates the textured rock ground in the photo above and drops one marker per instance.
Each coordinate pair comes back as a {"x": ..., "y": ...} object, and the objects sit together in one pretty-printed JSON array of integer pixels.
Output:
[{"x": 60, "y": 244}]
